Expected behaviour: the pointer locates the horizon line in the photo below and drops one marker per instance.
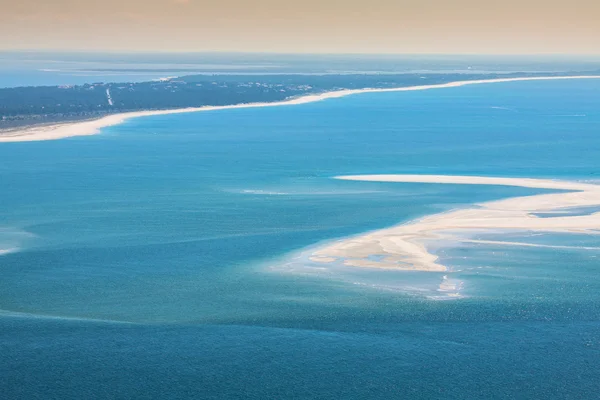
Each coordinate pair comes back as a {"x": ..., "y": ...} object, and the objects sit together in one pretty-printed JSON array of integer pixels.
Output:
[{"x": 267, "y": 52}]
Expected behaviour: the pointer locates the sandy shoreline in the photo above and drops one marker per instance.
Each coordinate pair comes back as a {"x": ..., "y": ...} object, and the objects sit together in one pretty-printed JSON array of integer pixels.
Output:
[
  {"x": 65, "y": 130},
  {"x": 405, "y": 247}
]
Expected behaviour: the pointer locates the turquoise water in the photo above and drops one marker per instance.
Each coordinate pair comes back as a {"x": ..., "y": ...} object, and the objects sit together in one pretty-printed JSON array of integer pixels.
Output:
[{"x": 149, "y": 261}]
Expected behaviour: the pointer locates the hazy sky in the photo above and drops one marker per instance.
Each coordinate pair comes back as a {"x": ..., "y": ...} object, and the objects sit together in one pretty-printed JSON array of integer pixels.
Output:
[{"x": 341, "y": 26}]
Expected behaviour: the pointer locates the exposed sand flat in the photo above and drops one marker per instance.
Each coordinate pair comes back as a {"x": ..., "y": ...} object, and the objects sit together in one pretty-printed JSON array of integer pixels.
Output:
[
  {"x": 65, "y": 130},
  {"x": 322, "y": 259},
  {"x": 404, "y": 247}
]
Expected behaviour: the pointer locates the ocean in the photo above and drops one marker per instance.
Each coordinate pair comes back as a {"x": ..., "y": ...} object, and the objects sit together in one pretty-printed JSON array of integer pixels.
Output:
[
  {"x": 152, "y": 261},
  {"x": 39, "y": 68}
]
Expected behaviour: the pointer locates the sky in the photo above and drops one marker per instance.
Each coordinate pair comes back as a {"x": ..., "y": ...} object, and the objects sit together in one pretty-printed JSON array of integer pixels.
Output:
[{"x": 304, "y": 26}]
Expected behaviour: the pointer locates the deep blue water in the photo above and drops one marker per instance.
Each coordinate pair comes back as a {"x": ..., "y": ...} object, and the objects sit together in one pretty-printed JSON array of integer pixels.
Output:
[{"x": 145, "y": 259}]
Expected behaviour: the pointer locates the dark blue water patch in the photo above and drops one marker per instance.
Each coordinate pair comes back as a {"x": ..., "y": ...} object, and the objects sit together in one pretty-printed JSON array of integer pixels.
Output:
[{"x": 418, "y": 360}]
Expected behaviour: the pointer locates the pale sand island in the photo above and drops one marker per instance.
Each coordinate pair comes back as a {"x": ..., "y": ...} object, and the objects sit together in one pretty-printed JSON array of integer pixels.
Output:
[
  {"x": 405, "y": 247},
  {"x": 65, "y": 130}
]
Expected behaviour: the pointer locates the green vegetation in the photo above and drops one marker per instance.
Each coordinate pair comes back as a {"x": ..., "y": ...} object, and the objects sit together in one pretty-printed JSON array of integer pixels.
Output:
[{"x": 29, "y": 105}]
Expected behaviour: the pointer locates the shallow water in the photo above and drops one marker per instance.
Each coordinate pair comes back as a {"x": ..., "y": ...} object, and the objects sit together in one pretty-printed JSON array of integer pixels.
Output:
[
  {"x": 570, "y": 212},
  {"x": 151, "y": 260}
]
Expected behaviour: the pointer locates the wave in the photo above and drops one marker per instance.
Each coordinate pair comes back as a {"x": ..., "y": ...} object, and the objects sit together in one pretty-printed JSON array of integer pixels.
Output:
[
  {"x": 525, "y": 244},
  {"x": 503, "y": 108},
  {"x": 265, "y": 192},
  {"x": 19, "y": 314},
  {"x": 12, "y": 239},
  {"x": 9, "y": 250}
]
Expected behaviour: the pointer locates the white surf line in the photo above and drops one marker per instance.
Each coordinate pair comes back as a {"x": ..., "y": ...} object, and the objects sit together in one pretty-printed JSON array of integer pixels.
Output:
[
  {"x": 524, "y": 244},
  {"x": 60, "y": 131},
  {"x": 8, "y": 251},
  {"x": 21, "y": 314},
  {"x": 405, "y": 247}
]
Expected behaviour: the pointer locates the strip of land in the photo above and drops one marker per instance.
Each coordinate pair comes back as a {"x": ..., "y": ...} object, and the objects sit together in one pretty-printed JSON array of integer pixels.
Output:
[
  {"x": 406, "y": 247},
  {"x": 65, "y": 130}
]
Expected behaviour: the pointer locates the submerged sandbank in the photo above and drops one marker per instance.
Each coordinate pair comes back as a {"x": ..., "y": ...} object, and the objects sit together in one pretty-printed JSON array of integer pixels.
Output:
[
  {"x": 65, "y": 130},
  {"x": 405, "y": 247}
]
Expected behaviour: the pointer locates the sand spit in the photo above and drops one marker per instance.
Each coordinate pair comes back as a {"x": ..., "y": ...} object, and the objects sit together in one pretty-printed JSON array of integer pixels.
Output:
[
  {"x": 65, "y": 130},
  {"x": 405, "y": 247}
]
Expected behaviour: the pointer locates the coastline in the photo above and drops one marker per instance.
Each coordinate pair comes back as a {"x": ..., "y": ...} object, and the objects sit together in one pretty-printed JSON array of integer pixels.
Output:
[
  {"x": 405, "y": 246},
  {"x": 92, "y": 127}
]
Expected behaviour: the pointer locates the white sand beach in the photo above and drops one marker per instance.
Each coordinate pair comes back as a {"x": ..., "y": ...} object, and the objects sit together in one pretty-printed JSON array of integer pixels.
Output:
[
  {"x": 65, "y": 130},
  {"x": 405, "y": 247}
]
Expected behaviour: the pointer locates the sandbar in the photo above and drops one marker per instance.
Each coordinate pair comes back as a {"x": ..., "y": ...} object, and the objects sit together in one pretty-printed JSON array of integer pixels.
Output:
[{"x": 407, "y": 246}]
